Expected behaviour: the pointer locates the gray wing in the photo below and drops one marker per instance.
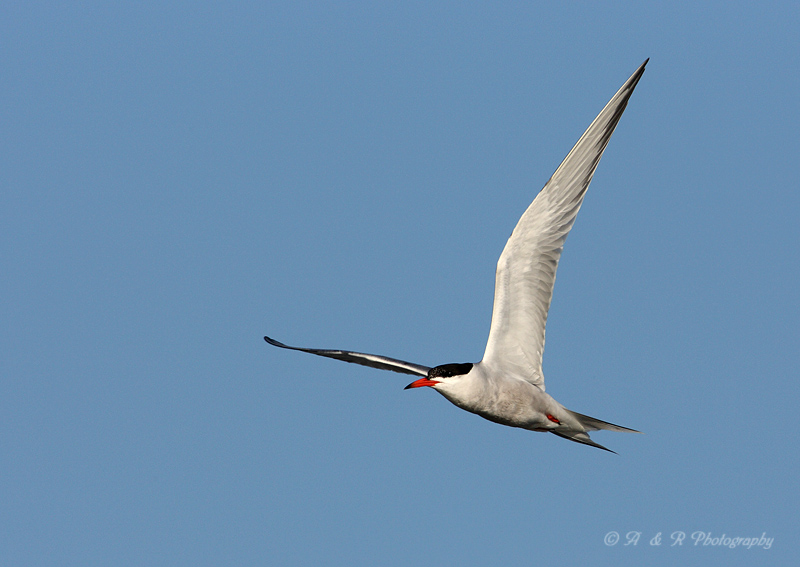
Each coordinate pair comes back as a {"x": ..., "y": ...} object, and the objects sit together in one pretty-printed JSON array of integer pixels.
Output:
[
  {"x": 526, "y": 270},
  {"x": 372, "y": 360}
]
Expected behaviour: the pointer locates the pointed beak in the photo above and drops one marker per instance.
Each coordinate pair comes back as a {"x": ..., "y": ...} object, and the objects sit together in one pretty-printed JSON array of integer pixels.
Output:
[{"x": 420, "y": 383}]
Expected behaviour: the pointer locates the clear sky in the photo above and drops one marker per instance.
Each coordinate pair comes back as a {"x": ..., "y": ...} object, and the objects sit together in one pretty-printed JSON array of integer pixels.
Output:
[{"x": 178, "y": 180}]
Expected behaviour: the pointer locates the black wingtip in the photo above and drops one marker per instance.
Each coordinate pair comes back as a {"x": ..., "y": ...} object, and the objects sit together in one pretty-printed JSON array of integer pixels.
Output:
[
  {"x": 641, "y": 68},
  {"x": 639, "y": 72},
  {"x": 631, "y": 83}
]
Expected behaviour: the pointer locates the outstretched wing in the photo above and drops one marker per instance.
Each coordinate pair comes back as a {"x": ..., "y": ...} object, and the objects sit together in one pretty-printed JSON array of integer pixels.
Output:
[
  {"x": 373, "y": 360},
  {"x": 527, "y": 267}
]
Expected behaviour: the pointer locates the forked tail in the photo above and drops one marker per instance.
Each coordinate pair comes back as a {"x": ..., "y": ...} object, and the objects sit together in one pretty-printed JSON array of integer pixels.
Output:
[{"x": 590, "y": 424}]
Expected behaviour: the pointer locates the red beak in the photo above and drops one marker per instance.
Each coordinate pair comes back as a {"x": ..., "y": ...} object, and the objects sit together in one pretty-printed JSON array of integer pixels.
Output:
[{"x": 420, "y": 383}]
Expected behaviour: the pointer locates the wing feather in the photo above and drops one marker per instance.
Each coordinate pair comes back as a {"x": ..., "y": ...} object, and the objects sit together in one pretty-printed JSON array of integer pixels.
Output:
[
  {"x": 372, "y": 360},
  {"x": 526, "y": 270}
]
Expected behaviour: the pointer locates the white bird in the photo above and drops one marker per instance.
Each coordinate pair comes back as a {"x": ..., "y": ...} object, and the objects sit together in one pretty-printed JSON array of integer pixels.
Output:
[{"x": 507, "y": 385}]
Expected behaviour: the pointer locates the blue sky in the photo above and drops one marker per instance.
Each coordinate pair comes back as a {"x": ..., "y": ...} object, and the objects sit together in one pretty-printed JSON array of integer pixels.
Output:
[{"x": 179, "y": 180}]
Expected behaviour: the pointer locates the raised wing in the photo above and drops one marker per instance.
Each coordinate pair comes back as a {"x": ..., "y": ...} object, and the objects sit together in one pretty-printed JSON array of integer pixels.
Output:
[
  {"x": 373, "y": 360},
  {"x": 526, "y": 270}
]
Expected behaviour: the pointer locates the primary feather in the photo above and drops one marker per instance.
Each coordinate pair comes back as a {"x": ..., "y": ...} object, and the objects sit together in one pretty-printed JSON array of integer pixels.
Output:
[{"x": 526, "y": 270}]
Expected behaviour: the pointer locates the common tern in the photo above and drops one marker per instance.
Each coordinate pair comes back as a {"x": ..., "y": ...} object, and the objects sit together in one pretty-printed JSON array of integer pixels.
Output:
[{"x": 507, "y": 385}]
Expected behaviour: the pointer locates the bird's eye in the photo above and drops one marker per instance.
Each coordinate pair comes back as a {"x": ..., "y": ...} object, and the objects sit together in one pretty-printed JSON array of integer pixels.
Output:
[{"x": 450, "y": 370}]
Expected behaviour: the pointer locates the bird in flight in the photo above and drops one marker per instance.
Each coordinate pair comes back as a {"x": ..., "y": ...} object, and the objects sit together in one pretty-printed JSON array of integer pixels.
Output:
[{"x": 507, "y": 385}]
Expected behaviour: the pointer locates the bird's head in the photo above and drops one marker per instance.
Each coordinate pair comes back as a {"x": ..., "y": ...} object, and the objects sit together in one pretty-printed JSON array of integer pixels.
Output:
[{"x": 442, "y": 374}]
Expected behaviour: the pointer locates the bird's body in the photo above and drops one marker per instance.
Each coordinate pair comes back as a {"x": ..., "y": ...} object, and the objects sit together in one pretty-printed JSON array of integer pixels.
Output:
[
  {"x": 504, "y": 399},
  {"x": 507, "y": 385}
]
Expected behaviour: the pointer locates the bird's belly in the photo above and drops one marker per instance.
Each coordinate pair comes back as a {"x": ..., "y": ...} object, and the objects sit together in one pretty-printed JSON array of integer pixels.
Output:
[
  {"x": 511, "y": 415},
  {"x": 517, "y": 410}
]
